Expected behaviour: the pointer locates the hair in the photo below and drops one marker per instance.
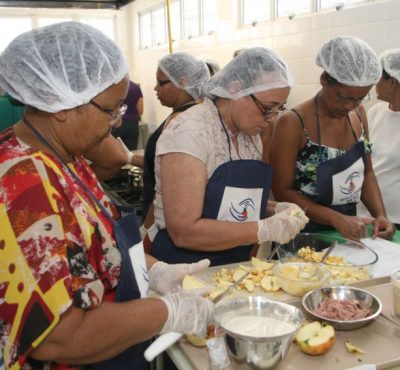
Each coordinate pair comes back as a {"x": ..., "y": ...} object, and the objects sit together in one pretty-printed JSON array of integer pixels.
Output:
[
  {"x": 385, "y": 75},
  {"x": 331, "y": 80}
]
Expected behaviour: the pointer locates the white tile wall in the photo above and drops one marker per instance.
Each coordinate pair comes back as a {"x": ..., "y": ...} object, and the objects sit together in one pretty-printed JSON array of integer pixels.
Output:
[{"x": 297, "y": 40}]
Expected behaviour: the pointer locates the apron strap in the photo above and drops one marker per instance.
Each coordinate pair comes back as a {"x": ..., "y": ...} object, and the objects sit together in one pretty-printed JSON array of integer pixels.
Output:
[{"x": 65, "y": 165}]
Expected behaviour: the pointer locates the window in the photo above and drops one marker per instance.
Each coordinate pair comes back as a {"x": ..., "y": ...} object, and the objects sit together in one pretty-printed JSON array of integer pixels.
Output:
[
  {"x": 158, "y": 21},
  {"x": 105, "y": 25},
  {"x": 47, "y": 21},
  {"x": 145, "y": 30},
  {"x": 333, "y": 3},
  {"x": 11, "y": 28},
  {"x": 191, "y": 17},
  {"x": 288, "y": 7},
  {"x": 209, "y": 16},
  {"x": 176, "y": 20},
  {"x": 255, "y": 11}
]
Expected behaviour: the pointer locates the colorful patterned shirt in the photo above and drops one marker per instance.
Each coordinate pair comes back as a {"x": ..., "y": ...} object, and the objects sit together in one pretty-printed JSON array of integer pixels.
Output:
[{"x": 57, "y": 249}]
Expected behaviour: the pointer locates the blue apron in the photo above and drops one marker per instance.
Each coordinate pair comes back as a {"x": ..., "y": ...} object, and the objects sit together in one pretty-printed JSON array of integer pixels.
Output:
[
  {"x": 128, "y": 239},
  {"x": 339, "y": 180},
  {"x": 237, "y": 191}
]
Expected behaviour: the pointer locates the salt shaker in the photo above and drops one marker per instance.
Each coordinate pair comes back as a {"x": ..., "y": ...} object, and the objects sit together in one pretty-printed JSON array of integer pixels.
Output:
[{"x": 218, "y": 354}]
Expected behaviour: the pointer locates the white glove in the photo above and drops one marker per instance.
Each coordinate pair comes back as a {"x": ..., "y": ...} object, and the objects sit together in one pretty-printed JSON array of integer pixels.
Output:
[
  {"x": 164, "y": 277},
  {"x": 292, "y": 209},
  {"x": 282, "y": 227},
  {"x": 188, "y": 312},
  {"x": 129, "y": 154}
]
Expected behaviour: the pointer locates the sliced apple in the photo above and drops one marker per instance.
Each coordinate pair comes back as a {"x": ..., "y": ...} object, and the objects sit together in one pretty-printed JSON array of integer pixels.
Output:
[
  {"x": 238, "y": 274},
  {"x": 315, "y": 339},
  {"x": 189, "y": 282},
  {"x": 256, "y": 262},
  {"x": 351, "y": 348},
  {"x": 270, "y": 284}
]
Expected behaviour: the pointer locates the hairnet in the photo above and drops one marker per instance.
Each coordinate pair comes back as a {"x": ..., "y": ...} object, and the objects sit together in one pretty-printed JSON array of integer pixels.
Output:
[
  {"x": 61, "y": 66},
  {"x": 350, "y": 61},
  {"x": 390, "y": 60},
  {"x": 254, "y": 70},
  {"x": 213, "y": 66},
  {"x": 186, "y": 72}
]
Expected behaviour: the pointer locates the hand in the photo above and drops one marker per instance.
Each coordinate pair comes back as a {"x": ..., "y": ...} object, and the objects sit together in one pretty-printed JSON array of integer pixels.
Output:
[
  {"x": 352, "y": 227},
  {"x": 282, "y": 227},
  {"x": 164, "y": 277},
  {"x": 383, "y": 228},
  {"x": 128, "y": 153},
  {"x": 291, "y": 208},
  {"x": 188, "y": 312}
]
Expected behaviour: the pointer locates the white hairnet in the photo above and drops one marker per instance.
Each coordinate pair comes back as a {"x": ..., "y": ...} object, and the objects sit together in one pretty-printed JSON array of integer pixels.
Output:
[
  {"x": 186, "y": 72},
  {"x": 61, "y": 66},
  {"x": 390, "y": 60},
  {"x": 254, "y": 70},
  {"x": 350, "y": 61}
]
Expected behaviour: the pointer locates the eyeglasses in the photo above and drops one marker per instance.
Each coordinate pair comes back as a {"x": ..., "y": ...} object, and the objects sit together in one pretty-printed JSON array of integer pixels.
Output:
[
  {"x": 163, "y": 82},
  {"x": 121, "y": 110},
  {"x": 349, "y": 99},
  {"x": 267, "y": 114}
]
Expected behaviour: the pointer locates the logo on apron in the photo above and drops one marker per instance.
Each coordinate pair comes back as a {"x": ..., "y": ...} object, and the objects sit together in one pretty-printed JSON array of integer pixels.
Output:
[
  {"x": 347, "y": 184},
  {"x": 240, "y": 204}
]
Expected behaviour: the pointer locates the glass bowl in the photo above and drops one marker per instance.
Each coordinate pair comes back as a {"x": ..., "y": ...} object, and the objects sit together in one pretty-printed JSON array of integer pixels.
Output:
[
  {"x": 297, "y": 278},
  {"x": 348, "y": 262},
  {"x": 245, "y": 342}
]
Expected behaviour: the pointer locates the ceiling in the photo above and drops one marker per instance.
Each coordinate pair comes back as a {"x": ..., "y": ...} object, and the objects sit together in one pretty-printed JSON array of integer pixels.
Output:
[{"x": 83, "y": 4}]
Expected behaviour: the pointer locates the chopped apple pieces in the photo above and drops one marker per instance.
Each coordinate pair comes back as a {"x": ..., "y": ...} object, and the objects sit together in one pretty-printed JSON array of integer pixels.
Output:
[{"x": 351, "y": 348}]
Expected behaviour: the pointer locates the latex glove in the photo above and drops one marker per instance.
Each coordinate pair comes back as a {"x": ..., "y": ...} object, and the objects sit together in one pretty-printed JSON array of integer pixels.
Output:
[
  {"x": 164, "y": 277},
  {"x": 188, "y": 312},
  {"x": 281, "y": 206},
  {"x": 282, "y": 227},
  {"x": 129, "y": 154}
]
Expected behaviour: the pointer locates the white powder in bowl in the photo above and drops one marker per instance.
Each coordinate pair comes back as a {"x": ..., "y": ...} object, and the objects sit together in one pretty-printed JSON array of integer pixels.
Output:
[{"x": 257, "y": 326}]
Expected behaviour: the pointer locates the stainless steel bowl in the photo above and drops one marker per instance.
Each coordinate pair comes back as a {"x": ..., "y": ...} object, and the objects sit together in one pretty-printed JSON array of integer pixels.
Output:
[
  {"x": 258, "y": 352},
  {"x": 312, "y": 299}
]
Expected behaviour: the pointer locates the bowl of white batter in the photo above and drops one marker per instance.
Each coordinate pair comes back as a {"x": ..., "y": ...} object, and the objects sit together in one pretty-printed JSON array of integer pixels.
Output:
[{"x": 258, "y": 331}]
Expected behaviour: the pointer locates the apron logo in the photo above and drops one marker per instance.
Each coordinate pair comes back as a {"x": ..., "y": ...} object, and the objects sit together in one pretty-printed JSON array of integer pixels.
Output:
[
  {"x": 241, "y": 213},
  {"x": 350, "y": 186}
]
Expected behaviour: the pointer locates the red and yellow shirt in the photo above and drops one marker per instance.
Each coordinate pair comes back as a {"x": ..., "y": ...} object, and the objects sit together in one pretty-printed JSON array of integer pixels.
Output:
[{"x": 56, "y": 247}]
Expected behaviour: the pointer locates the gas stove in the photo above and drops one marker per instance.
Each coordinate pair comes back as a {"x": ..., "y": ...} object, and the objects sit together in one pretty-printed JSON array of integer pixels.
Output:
[{"x": 125, "y": 188}]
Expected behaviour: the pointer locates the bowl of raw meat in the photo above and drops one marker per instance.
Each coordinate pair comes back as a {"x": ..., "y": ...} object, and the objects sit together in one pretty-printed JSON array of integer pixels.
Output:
[{"x": 343, "y": 307}]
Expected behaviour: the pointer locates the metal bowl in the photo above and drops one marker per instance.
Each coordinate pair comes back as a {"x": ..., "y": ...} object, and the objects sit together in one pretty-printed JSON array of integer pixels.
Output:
[
  {"x": 360, "y": 260},
  {"x": 264, "y": 352},
  {"x": 312, "y": 299}
]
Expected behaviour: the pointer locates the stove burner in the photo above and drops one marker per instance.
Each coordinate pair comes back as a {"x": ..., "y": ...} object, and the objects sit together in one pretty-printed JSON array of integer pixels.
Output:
[{"x": 125, "y": 190}]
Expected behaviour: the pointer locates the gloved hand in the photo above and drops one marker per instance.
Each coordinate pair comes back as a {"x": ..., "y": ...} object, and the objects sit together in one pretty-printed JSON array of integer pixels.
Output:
[
  {"x": 281, "y": 206},
  {"x": 129, "y": 154},
  {"x": 282, "y": 227},
  {"x": 188, "y": 312},
  {"x": 164, "y": 277}
]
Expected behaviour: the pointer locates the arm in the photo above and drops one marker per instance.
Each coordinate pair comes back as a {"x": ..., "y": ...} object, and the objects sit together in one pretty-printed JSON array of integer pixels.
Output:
[
  {"x": 179, "y": 189},
  {"x": 107, "y": 158},
  {"x": 139, "y": 107},
  {"x": 113, "y": 326}
]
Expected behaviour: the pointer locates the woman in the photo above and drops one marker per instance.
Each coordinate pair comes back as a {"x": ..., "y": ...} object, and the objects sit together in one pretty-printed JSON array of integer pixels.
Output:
[
  {"x": 320, "y": 152},
  {"x": 179, "y": 80},
  {"x": 72, "y": 268},
  {"x": 212, "y": 188},
  {"x": 384, "y": 132}
]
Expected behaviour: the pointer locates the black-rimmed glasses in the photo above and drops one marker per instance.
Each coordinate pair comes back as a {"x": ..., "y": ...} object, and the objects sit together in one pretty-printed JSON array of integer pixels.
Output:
[
  {"x": 121, "y": 110},
  {"x": 267, "y": 114},
  {"x": 350, "y": 99},
  {"x": 163, "y": 82}
]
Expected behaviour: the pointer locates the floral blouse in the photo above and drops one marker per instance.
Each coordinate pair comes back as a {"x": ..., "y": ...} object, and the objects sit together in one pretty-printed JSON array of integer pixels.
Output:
[
  {"x": 57, "y": 249},
  {"x": 308, "y": 159}
]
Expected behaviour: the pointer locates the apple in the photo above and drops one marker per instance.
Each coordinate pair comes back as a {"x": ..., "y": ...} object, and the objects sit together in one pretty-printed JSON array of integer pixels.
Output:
[
  {"x": 189, "y": 282},
  {"x": 315, "y": 339}
]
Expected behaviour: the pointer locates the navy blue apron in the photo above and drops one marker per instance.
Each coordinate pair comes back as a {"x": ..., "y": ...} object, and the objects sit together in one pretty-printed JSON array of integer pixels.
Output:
[
  {"x": 339, "y": 180},
  {"x": 238, "y": 191},
  {"x": 126, "y": 233}
]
